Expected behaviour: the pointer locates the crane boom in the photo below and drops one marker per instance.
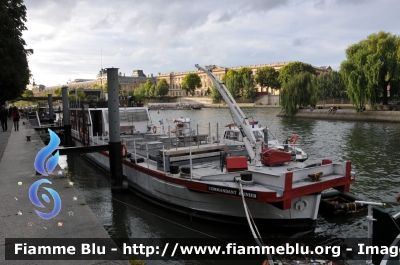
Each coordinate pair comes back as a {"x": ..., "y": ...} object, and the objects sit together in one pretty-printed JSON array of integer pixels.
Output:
[{"x": 239, "y": 118}]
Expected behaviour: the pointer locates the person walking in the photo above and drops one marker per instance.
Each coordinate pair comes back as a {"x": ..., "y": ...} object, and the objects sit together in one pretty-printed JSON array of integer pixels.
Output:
[
  {"x": 3, "y": 117},
  {"x": 15, "y": 115}
]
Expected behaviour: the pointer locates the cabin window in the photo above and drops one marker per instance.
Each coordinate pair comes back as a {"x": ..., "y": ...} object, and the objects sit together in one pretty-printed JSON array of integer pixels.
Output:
[
  {"x": 232, "y": 136},
  {"x": 122, "y": 116},
  {"x": 137, "y": 115},
  {"x": 131, "y": 115}
]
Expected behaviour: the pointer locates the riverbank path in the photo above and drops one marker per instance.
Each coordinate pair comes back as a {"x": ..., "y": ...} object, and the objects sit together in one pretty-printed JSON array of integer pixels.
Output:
[{"x": 18, "y": 218}]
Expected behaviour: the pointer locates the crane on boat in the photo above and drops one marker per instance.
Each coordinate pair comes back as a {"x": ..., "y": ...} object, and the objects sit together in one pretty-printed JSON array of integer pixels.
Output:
[{"x": 240, "y": 119}]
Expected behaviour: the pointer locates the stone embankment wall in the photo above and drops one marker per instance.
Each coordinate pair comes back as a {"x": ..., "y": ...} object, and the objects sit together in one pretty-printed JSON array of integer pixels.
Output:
[
  {"x": 347, "y": 114},
  {"x": 270, "y": 100}
]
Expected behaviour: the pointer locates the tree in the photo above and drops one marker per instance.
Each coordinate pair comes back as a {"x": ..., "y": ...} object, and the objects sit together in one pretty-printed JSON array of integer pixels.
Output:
[
  {"x": 162, "y": 88},
  {"x": 90, "y": 98},
  {"x": 124, "y": 93},
  {"x": 95, "y": 86},
  {"x": 248, "y": 91},
  {"x": 72, "y": 98},
  {"x": 267, "y": 77},
  {"x": 232, "y": 81},
  {"x": 394, "y": 88},
  {"x": 191, "y": 82},
  {"x": 298, "y": 91},
  {"x": 81, "y": 96},
  {"x": 372, "y": 63},
  {"x": 244, "y": 72},
  {"x": 14, "y": 70},
  {"x": 208, "y": 92},
  {"x": 58, "y": 92},
  {"x": 215, "y": 95},
  {"x": 330, "y": 85},
  {"x": 293, "y": 68},
  {"x": 105, "y": 88},
  {"x": 28, "y": 93},
  {"x": 139, "y": 93},
  {"x": 148, "y": 88}
]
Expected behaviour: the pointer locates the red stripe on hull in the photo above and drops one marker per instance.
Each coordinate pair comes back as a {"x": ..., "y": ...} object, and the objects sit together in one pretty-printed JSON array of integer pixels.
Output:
[{"x": 288, "y": 195}]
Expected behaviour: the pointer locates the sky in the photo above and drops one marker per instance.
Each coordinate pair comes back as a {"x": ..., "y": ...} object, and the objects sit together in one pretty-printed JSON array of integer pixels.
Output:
[{"x": 74, "y": 39}]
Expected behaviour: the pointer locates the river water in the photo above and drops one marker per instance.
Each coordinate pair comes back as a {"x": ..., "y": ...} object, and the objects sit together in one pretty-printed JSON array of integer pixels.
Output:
[{"x": 371, "y": 146}]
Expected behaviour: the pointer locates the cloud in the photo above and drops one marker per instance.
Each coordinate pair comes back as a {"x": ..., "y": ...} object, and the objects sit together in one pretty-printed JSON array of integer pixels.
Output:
[
  {"x": 171, "y": 36},
  {"x": 262, "y": 5},
  {"x": 319, "y": 4},
  {"x": 297, "y": 42},
  {"x": 51, "y": 11},
  {"x": 226, "y": 17},
  {"x": 353, "y": 2},
  {"x": 44, "y": 36},
  {"x": 107, "y": 22}
]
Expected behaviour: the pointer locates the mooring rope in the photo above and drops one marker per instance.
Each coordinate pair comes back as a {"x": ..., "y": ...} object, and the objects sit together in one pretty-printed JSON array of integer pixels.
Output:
[{"x": 252, "y": 224}]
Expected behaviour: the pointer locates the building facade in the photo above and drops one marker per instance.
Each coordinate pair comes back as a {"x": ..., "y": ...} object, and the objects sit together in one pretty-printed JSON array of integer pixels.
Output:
[{"x": 174, "y": 79}]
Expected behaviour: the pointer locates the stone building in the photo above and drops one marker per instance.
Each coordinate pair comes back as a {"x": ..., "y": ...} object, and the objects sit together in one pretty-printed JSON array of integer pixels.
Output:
[
  {"x": 128, "y": 83},
  {"x": 175, "y": 79},
  {"x": 36, "y": 88}
]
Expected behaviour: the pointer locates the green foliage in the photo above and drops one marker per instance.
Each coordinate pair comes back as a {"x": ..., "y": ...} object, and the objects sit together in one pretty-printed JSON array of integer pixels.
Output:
[
  {"x": 91, "y": 98},
  {"x": 268, "y": 77},
  {"x": 28, "y": 93},
  {"x": 162, "y": 88},
  {"x": 244, "y": 72},
  {"x": 356, "y": 83},
  {"x": 330, "y": 85},
  {"x": 233, "y": 81},
  {"x": 95, "y": 86},
  {"x": 72, "y": 98},
  {"x": 208, "y": 92},
  {"x": 191, "y": 82},
  {"x": 248, "y": 91},
  {"x": 291, "y": 69},
  {"x": 58, "y": 92},
  {"x": 149, "y": 88},
  {"x": 124, "y": 93},
  {"x": 14, "y": 71},
  {"x": 81, "y": 95},
  {"x": 298, "y": 91},
  {"x": 139, "y": 93},
  {"x": 105, "y": 88},
  {"x": 372, "y": 63},
  {"x": 139, "y": 98},
  {"x": 215, "y": 95}
]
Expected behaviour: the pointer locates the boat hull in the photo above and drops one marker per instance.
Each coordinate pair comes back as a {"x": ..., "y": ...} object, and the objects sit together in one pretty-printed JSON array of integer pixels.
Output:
[{"x": 147, "y": 183}]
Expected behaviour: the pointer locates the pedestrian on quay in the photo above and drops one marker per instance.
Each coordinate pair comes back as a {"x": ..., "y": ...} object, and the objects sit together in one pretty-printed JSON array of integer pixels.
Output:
[
  {"x": 3, "y": 117},
  {"x": 15, "y": 115}
]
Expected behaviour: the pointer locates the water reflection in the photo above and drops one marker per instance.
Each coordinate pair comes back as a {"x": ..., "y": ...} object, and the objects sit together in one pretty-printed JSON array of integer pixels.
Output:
[
  {"x": 373, "y": 149},
  {"x": 125, "y": 215}
]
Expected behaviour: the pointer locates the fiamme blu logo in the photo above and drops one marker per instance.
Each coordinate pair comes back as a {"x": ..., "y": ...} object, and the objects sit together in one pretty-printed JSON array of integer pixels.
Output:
[{"x": 41, "y": 165}]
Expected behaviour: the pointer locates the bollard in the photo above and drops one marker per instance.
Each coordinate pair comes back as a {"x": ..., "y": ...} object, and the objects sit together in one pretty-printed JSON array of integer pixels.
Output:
[{"x": 28, "y": 138}]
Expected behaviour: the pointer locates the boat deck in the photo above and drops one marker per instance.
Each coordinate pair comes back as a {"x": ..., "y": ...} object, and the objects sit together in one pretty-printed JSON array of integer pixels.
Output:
[{"x": 202, "y": 162}]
